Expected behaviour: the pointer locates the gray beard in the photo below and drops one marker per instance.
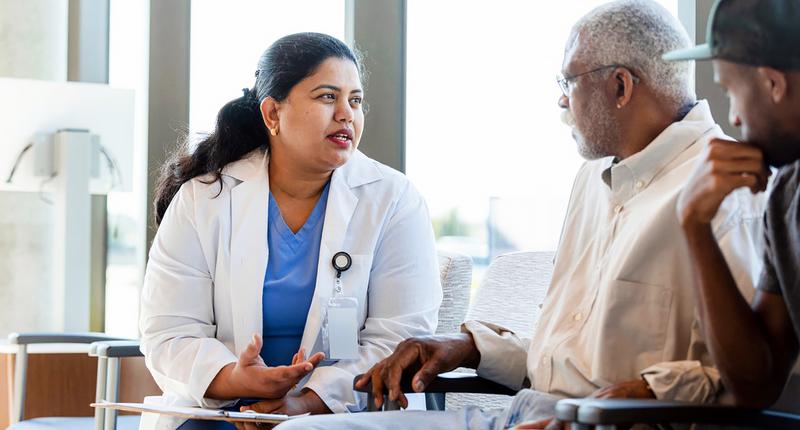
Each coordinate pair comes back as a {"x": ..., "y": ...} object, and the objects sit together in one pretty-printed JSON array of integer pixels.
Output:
[{"x": 603, "y": 137}]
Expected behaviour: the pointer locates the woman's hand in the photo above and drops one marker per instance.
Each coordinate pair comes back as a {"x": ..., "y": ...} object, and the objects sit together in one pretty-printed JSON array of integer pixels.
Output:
[
  {"x": 250, "y": 376},
  {"x": 306, "y": 402}
]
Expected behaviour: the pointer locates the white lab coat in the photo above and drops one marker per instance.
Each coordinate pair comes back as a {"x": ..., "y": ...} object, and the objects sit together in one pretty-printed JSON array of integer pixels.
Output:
[{"x": 201, "y": 301}]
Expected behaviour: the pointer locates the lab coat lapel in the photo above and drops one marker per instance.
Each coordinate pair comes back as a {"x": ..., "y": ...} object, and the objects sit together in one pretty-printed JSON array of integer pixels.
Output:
[
  {"x": 340, "y": 207},
  {"x": 248, "y": 247}
]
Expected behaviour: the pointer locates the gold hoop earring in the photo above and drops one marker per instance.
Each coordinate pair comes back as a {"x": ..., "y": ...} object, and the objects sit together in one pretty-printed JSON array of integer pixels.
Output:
[{"x": 273, "y": 131}]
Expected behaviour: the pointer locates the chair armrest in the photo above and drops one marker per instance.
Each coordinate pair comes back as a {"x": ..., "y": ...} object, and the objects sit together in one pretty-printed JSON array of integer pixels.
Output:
[
  {"x": 117, "y": 349},
  {"x": 450, "y": 382},
  {"x": 567, "y": 410},
  {"x": 34, "y": 338},
  {"x": 625, "y": 411}
]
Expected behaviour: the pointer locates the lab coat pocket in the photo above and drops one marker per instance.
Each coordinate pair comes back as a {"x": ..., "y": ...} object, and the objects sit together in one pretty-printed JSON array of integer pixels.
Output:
[{"x": 633, "y": 328}]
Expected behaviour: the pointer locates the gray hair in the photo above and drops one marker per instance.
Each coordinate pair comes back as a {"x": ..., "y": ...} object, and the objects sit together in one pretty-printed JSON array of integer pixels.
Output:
[{"x": 636, "y": 33}]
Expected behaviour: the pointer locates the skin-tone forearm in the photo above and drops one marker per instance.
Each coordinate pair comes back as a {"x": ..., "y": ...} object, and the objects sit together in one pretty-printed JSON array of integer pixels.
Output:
[
  {"x": 737, "y": 339},
  {"x": 222, "y": 388},
  {"x": 472, "y": 356}
]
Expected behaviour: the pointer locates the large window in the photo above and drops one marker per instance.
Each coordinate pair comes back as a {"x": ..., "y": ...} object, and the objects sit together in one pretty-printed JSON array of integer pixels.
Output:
[
  {"x": 227, "y": 39},
  {"x": 484, "y": 142},
  {"x": 229, "y": 36}
]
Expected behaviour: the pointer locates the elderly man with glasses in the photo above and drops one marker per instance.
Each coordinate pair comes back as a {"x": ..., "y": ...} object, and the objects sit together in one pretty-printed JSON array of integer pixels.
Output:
[{"x": 619, "y": 319}]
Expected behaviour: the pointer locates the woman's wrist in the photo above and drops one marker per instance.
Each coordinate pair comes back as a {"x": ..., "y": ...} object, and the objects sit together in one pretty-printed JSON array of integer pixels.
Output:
[
  {"x": 313, "y": 403},
  {"x": 220, "y": 387}
]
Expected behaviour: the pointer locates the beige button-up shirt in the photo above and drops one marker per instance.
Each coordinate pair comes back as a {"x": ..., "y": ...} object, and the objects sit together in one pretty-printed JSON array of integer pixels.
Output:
[{"x": 621, "y": 303}]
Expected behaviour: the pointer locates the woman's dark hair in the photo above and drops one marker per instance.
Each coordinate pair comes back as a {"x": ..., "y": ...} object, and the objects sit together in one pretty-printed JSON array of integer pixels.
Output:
[{"x": 240, "y": 128}]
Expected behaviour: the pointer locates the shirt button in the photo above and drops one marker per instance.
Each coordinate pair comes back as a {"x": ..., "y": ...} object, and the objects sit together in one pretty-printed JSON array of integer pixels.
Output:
[
  {"x": 544, "y": 361},
  {"x": 617, "y": 209},
  {"x": 578, "y": 316},
  {"x": 639, "y": 184}
]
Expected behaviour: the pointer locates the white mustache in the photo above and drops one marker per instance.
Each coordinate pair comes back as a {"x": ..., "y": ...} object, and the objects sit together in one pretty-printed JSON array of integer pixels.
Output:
[{"x": 567, "y": 118}]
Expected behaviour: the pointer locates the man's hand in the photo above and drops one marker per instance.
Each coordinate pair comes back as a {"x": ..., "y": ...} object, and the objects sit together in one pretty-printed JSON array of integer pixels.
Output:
[
  {"x": 635, "y": 389},
  {"x": 724, "y": 167},
  {"x": 250, "y": 376},
  {"x": 432, "y": 355}
]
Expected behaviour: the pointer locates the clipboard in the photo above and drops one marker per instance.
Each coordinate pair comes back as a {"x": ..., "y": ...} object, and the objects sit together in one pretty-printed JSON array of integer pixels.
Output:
[{"x": 196, "y": 413}]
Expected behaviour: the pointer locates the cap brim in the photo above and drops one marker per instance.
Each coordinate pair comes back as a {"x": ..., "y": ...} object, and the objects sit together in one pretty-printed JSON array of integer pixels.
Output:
[{"x": 699, "y": 52}]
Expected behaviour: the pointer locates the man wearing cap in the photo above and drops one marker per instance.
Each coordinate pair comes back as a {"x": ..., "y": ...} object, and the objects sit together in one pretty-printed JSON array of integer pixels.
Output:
[
  {"x": 755, "y": 49},
  {"x": 619, "y": 316}
]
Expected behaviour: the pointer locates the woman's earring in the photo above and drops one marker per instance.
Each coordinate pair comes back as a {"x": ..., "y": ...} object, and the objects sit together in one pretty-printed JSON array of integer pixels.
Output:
[{"x": 273, "y": 131}]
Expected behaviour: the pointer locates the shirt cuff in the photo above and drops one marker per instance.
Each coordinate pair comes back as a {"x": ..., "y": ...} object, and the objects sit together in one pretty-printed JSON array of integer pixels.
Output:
[
  {"x": 503, "y": 354},
  {"x": 685, "y": 381}
]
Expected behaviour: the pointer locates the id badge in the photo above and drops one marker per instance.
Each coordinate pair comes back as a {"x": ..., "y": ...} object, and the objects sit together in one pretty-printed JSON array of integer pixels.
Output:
[{"x": 340, "y": 331}]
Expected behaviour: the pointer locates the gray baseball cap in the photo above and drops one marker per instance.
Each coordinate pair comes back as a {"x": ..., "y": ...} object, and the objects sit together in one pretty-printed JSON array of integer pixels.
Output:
[{"x": 752, "y": 32}]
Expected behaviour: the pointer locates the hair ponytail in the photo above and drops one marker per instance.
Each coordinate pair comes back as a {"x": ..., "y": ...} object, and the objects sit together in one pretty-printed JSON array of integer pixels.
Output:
[{"x": 240, "y": 128}]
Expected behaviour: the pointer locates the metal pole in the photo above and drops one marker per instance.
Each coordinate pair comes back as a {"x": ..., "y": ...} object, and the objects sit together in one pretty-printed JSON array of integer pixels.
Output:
[
  {"x": 100, "y": 392},
  {"x": 20, "y": 369},
  {"x": 112, "y": 392}
]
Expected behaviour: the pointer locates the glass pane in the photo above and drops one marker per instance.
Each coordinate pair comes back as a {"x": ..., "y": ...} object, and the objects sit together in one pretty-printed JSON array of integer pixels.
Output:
[
  {"x": 485, "y": 144},
  {"x": 128, "y": 51},
  {"x": 228, "y": 38}
]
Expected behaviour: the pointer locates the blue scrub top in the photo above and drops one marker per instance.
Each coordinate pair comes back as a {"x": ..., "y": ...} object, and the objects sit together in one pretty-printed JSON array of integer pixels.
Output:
[{"x": 290, "y": 280}]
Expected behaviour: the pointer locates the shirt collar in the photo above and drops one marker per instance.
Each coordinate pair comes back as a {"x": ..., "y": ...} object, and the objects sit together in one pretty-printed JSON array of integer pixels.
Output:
[{"x": 637, "y": 171}]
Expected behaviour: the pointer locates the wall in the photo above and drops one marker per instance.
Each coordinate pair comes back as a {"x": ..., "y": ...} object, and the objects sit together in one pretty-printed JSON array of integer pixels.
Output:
[
  {"x": 33, "y": 39},
  {"x": 33, "y": 45}
]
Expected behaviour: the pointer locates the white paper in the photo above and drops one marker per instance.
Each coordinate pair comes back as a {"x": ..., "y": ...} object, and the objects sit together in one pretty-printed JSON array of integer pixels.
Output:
[
  {"x": 343, "y": 333},
  {"x": 191, "y": 411}
]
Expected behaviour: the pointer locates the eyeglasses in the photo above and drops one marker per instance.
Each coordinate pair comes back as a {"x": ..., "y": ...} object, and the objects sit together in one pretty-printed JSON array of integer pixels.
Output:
[{"x": 564, "y": 81}]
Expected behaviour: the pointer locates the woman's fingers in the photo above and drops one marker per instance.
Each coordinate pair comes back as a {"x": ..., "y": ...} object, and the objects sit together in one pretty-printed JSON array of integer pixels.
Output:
[
  {"x": 264, "y": 406},
  {"x": 250, "y": 354},
  {"x": 316, "y": 359},
  {"x": 299, "y": 356},
  {"x": 294, "y": 372}
]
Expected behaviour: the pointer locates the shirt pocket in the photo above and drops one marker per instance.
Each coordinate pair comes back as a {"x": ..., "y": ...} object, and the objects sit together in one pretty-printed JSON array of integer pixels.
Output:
[{"x": 632, "y": 329}]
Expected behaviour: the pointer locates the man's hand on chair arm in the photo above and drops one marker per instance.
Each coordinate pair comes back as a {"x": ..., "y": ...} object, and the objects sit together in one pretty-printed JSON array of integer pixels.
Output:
[{"x": 428, "y": 356}]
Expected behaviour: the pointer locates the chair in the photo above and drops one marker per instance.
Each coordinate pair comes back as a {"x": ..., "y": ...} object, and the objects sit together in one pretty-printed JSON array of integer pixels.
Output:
[
  {"x": 455, "y": 272},
  {"x": 108, "y": 351},
  {"x": 523, "y": 276},
  {"x": 613, "y": 413}
]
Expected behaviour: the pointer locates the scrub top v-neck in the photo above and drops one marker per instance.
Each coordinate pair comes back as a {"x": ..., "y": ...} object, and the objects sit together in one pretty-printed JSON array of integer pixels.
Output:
[{"x": 289, "y": 281}]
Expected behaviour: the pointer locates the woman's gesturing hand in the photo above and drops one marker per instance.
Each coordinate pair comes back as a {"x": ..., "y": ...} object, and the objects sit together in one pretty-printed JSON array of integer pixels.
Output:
[{"x": 251, "y": 377}]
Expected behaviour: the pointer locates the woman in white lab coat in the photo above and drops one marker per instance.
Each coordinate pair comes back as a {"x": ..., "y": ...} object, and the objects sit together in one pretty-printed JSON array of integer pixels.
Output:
[{"x": 240, "y": 273}]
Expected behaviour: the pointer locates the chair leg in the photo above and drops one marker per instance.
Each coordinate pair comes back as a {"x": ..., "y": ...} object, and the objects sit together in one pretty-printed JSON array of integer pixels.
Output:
[
  {"x": 100, "y": 392},
  {"x": 20, "y": 371},
  {"x": 112, "y": 392},
  {"x": 435, "y": 401}
]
